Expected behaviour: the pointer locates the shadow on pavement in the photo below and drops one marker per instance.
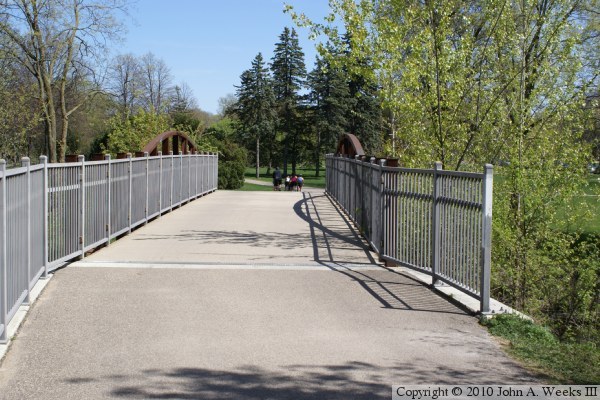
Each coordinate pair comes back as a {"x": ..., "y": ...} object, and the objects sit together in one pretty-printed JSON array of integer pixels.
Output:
[{"x": 352, "y": 380}]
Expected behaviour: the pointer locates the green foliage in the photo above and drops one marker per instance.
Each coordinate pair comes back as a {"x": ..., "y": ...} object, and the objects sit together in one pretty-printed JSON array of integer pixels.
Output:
[
  {"x": 289, "y": 73},
  {"x": 225, "y": 128},
  {"x": 563, "y": 362},
  {"x": 255, "y": 108},
  {"x": 493, "y": 81},
  {"x": 16, "y": 117},
  {"x": 232, "y": 163},
  {"x": 330, "y": 96},
  {"x": 134, "y": 132}
]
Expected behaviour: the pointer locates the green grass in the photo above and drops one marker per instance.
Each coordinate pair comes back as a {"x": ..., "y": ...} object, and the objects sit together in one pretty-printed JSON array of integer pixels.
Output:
[
  {"x": 308, "y": 173},
  {"x": 251, "y": 187},
  {"x": 539, "y": 350}
]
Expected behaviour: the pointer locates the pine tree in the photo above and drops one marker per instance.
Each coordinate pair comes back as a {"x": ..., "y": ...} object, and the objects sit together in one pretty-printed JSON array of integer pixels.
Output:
[
  {"x": 289, "y": 73},
  {"x": 365, "y": 116},
  {"x": 330, "y": 98},
  {"x": 256, "y": 105}
]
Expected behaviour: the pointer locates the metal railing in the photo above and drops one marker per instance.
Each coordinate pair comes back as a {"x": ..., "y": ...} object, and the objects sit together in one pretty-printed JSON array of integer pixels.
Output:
[
  {"x": 431, "y": 220},
  {"x": 53, "y": 213}
]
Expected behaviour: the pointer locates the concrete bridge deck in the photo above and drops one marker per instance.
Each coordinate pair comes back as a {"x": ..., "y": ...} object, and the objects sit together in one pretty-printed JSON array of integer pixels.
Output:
[{"x": 244, "y": 295}]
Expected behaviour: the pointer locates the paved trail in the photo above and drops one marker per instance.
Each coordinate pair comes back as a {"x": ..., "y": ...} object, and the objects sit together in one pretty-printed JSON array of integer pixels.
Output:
[{"x": 244, "y": 295}]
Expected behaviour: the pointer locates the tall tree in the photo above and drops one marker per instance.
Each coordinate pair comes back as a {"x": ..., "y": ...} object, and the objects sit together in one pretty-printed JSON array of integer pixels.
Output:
[
  {"x": 331, "y": 102},
  {"x": 289, "y": 73},
  {"x": 156, "y": 83},
  {"x": 56, "y": 41},
  {"x": 256, "y": 105},
  {"x": 125, "y": 82}
]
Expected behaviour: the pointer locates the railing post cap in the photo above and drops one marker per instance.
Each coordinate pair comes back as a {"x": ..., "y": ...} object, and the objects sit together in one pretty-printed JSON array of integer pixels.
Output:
[
  {"x": 382, "y": 162},
  {"x": 107, "y": 156},
  {"x": 43, "y": 159},
  {"x": 146, "y": 154},
  {"x": 80, "y": 158},
  {"x": 128, "y": 155},
  {"x": 25, "y": 160},
  {"x": 159, "y": 153},
  {"x": 488, "y": 167},
  {"x": 437, "y": 165},
  {"x": 2, "y": 161}
]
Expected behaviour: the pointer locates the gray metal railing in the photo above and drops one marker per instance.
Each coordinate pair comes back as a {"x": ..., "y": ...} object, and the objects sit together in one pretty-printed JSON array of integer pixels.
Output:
[
  {"x": 51, "y": 214},
  {"x": 431, "y": 220}
]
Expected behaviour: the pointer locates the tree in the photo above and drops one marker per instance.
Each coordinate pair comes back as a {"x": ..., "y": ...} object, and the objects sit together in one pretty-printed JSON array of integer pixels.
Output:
[
  {"x": 331, "y": 102},
  {"x": 255, "y": 105},
  {"x": 125, "y": 82},
  {"x": 289, "y": 72},
  {"x": 156, "y": 83},
  {"x": 56, "y": 41},
  {"x": 182, "y": 99},
  {"x": 484, "y": 81},
  {"x": 18, "y": 114},
  {"x": 227, "y": 104},
  {"x": 131, "y": 134}
]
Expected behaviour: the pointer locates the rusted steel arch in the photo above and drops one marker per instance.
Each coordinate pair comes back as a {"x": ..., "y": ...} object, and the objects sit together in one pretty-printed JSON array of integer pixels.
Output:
[
  {"x": 349, "y": 146},
  {"x": 179, "y": 141}
]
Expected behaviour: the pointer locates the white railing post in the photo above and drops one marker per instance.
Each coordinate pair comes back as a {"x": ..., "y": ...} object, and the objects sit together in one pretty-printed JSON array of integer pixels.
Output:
[
  {"x": 130, "y": 175},
  {"x": 81, "y": 161},
  {"x": 180, "y": 178},
  {"x": 147, "y": 183},
  {"x": 435, "y": 224},
  {"x": 3, "y": 261},
  {"x": 172, "y": 178},
  {"x": 25, "y": 162},
  {"x": 486, "y": 237},
  {"x": 381, "y": 215},
  {"x": 160, "y": 176},
  {"x": 44, "y": 162},
  {"x": 108, "y": 194}
]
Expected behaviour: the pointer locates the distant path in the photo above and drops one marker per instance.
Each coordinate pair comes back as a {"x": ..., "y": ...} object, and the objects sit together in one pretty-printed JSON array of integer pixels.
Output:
[{"x": 244, "y": 295}]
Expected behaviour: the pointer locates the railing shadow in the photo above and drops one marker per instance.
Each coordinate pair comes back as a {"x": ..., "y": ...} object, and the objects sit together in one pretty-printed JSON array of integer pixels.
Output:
[{"x": 392, "y": 289}]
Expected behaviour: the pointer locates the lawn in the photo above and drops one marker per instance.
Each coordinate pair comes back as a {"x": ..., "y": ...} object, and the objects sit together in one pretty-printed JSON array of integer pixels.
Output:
[
  {"x": 308, "y": 173},
  {"x": 251, "y": 187},
  {"x": 589, "y": 223}
]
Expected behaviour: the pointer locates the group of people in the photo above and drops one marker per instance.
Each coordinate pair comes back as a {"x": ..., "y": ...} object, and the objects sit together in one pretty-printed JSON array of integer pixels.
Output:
[{"x": 292, "y": 182}]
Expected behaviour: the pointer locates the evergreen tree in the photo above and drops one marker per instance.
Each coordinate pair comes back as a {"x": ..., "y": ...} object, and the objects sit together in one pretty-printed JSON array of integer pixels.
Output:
[
  {"x": 289, "y": 73},
  {"x": 330, "y": 98},
  {"x": 256, "y": 105},
  {"x": 365, "y": 116}
]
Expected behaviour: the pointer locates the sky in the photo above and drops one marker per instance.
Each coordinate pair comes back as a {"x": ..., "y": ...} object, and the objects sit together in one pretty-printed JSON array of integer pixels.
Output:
[{"x": 209, "y": 43}]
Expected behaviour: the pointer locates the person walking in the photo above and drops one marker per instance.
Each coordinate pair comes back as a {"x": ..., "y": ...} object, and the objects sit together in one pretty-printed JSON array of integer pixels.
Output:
[{"x": 277, "y": 179}]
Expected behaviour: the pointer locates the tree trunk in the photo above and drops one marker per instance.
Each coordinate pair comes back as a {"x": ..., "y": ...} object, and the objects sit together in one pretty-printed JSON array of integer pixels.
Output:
[{"x": 257, "y": 157}]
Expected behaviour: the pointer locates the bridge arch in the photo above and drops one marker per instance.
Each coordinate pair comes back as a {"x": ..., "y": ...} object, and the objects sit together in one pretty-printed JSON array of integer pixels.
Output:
[
  {"x": 174, "y": 141},
  {"x": 349, "y": 146}
]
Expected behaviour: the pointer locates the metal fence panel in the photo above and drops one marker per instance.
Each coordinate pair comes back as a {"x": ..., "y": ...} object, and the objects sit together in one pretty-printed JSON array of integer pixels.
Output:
[
  {"x": 17, "y": 212},
  {"x": 434, "y": 221},
  {"x": 63, "y": 212},
  {"x": 119, "y": 197},
  {"x": 37, "y": 224},
  {"x": 153, "y": 186},
  {"x": 96, "y": 204},
  {"x": 53, "y": 213},
  {"x": 138, "y": 191}
]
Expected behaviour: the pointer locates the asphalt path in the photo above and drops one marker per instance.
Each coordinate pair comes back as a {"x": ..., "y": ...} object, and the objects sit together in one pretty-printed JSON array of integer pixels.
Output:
[{"x": 244, "y": 295}]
